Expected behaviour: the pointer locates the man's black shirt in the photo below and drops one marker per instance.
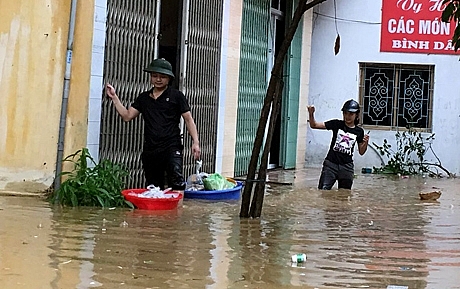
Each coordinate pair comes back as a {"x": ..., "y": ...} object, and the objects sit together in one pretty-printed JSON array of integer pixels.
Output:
[{"x": 161, "y": 117}]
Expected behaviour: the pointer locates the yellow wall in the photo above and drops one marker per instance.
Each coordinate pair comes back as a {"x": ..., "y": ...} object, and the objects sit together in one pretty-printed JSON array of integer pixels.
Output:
[{"x": 33, "y": 39}]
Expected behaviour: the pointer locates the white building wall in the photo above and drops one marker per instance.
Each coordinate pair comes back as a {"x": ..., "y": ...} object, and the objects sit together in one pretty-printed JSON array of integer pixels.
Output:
[
  {"x": 304, "y": 87},
  {"x": 96, "y": 82},
  {"x": 335, "y": 79},
  {"x": 228, "y": 95}
]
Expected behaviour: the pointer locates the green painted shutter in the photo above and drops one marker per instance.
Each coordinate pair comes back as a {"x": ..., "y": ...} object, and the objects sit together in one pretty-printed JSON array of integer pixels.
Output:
[
  {"x": 291, "y": 97},
  {"x": 253, "y": 78}
]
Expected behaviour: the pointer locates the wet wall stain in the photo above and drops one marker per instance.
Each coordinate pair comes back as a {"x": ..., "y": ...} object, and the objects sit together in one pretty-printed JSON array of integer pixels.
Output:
[{"x": 26, "y": 186}]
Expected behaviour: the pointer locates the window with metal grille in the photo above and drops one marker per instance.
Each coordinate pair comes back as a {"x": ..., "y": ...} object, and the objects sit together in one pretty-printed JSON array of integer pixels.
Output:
[{"x": 396, "y": 95}]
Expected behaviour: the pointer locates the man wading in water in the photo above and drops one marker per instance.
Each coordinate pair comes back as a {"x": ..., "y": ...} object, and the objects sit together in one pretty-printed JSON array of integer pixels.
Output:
[{"x": 161, "y": 108}]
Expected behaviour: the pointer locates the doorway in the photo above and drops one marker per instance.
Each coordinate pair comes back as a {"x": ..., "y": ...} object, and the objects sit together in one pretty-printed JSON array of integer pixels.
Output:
[
  {"x": 275, "y": 38},
  {"x": 136, "y": 33}
]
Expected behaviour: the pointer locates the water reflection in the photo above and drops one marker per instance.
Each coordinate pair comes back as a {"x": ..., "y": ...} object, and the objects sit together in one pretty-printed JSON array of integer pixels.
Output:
[{"x": 376, "y": 235}]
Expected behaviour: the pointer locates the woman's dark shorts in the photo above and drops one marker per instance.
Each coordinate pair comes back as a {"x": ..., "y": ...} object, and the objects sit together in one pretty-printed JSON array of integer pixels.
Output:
[{"x": 332, "y": 172}]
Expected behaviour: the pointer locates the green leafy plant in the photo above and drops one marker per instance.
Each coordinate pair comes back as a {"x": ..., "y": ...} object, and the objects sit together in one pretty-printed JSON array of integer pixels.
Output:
[
  {"x": 409, "y": 156},
  {"x": 91, "y": 184},
  {"x": 450, "y": 13}
]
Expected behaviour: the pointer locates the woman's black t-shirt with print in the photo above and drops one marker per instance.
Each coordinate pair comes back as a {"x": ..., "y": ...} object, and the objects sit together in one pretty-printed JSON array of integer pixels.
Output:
[{"x": 343, "y": 141}]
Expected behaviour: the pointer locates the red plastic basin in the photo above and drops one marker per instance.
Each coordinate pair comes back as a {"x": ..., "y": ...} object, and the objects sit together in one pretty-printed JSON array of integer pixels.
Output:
[{"x": 151, "y": 203}]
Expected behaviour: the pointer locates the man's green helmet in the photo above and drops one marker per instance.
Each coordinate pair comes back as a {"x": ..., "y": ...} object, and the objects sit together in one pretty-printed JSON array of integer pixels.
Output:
[{"x": 160, "y": 65}]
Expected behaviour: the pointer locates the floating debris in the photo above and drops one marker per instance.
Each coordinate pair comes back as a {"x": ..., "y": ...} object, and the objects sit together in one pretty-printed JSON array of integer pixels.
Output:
[
  {"x": 298, "y": 258},
  {"x": 431, "y": 196}
]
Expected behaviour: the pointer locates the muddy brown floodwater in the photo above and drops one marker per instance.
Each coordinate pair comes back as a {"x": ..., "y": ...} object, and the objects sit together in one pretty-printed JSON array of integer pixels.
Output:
[{"x": 377, "y": 235}]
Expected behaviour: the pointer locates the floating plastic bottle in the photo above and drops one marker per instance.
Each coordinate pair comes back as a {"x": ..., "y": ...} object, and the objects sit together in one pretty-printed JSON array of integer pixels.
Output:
[{"x": 299, "y": 258}]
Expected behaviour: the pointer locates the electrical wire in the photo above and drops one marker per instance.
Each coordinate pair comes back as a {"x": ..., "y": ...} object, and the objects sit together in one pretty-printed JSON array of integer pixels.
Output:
[
  {"x": 347, "y": 20},
  {"x": 335, "y": 17}
]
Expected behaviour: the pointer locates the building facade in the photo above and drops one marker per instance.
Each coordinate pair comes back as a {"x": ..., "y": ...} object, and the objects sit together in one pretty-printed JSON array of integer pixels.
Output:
[
  {"x": 397, "y": 62},
  {"x": 222, "y": 52}
]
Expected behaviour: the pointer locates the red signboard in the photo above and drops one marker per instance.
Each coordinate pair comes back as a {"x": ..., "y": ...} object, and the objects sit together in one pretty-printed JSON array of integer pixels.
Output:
[{"x": 415, "y": 26}]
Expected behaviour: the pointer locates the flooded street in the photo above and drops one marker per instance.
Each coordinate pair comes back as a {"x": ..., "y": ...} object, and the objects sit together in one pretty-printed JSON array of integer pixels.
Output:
[{"x": 376, "y": 235}]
